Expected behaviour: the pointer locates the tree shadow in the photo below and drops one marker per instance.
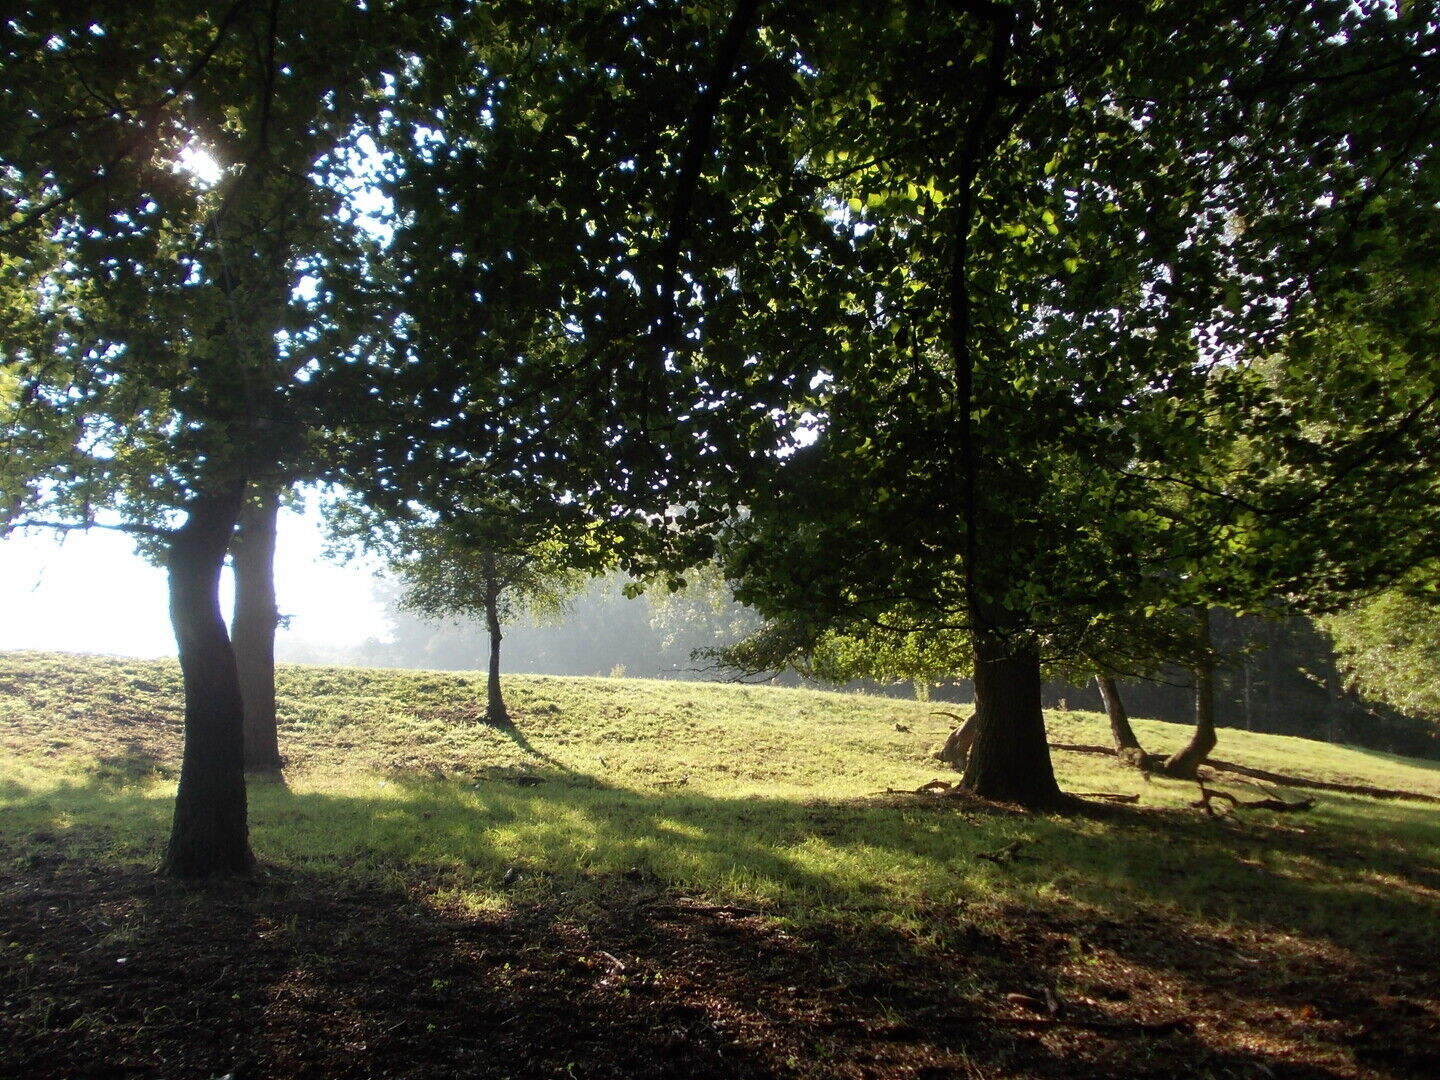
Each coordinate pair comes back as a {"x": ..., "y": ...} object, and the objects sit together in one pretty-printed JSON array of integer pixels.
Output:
[
  {"x": 515, "y": 734},
  {"x": 648, "y": 934},
  {"x": 135, "y": 758}
]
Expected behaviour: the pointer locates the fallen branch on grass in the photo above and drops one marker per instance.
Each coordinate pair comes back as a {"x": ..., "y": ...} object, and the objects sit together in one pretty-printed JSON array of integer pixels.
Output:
[
  {"x": 1007, "y": 853},
  {"x": 1108, "y": 1027},
  {"x": 1106, "y": 796},
  {"x": 1083, "y": 748},
  {"x": 1279, "y": 779},
  {"x": 1207, "y": 795},
  {"x": 687, "y": 906},
  {"x": 934, "y": 787}
]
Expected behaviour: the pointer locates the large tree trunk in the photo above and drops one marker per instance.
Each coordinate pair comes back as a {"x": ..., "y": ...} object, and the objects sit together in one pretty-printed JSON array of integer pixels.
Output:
[
  {"x": 209, "y": 836},
  {"x": 252, "y": 553},
  {"x": 495, "y": 711},
  {"x": 1185, "y": 763},
  {"x": 1127, "y": 746},
  {"x": 1010, "y": 759}
]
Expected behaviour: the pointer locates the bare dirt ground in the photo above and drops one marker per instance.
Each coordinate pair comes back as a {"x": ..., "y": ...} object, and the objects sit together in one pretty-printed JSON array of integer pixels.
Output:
[{"x": 110, "y": 975}]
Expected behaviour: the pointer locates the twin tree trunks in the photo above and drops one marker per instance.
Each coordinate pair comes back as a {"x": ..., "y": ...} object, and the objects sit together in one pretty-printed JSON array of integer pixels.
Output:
[{"x": 209, "y": 836}]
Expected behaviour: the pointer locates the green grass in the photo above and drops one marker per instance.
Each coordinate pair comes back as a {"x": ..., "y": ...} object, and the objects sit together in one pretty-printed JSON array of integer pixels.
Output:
[
  {"x": 391, "y": 777},
  {"x": 1301, "y": 940}
]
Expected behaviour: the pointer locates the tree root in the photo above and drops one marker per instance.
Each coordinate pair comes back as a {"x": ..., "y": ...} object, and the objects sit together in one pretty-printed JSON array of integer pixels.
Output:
[
  {"x": 1278, "y": 779},
  {"x": 1281, "y": 780},
  {"x": 1207, "y": 795}
]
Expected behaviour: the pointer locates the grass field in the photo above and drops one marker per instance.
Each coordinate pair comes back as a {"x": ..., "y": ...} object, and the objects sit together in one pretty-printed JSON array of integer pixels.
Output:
[{"x": 660, "y": 878}]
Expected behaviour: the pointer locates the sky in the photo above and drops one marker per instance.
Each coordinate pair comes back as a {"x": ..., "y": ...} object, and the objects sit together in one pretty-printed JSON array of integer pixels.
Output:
[{"x": 91, "y": 592}]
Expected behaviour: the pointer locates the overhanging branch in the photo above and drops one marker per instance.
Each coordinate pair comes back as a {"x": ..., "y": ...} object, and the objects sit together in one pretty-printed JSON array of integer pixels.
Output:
[{"x": 133, "y": 528}]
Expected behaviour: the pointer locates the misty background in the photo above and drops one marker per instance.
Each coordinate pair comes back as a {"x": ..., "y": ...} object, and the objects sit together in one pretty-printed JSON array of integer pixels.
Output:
[{"x": 90, "y": 592}]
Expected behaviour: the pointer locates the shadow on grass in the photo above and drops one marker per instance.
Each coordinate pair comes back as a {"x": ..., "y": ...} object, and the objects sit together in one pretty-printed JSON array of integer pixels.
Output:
[
  {"x": 133, "y": 758},
  {"x": 439, "y": 929},
  {"x": 515, "y": 734}
]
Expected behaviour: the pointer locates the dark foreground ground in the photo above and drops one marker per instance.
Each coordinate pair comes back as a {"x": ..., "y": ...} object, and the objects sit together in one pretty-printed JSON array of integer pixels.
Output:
[{"x": 107, "y": 975}]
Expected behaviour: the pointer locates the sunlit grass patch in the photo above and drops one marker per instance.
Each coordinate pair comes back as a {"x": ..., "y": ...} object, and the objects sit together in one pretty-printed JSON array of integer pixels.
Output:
[
  {"x": 616, "y": 791},
  {"x": 716, "y": 856}
]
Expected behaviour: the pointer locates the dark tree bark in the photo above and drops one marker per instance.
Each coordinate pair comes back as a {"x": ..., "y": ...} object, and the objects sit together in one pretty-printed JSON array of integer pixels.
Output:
[
  {"x": 1246, "y": 691},
  {"x": 1127, "y": 746},
  {"x": 1185, "y": 763},
  {"x": 495, "y": 711},
  {"x": 1010, "y": 759},
  {"x": 209, "y": 836},
  {"x": 252, "y": 553}
]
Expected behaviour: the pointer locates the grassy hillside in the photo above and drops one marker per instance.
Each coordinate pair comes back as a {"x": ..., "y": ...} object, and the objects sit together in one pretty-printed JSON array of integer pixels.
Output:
[{"x": 728, "y": 852}]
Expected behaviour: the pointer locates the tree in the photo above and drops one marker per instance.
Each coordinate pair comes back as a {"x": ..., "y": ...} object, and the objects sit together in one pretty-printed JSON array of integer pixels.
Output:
[
  {"x": 448, "y": 576},
  {"x": 1045, "y": 325},
  {"x": 1127, "y": 744},
  {"x": 252, "y": 558},
  {"x": 176, "y": 339},
  {"x": 1388, "y": 646}
]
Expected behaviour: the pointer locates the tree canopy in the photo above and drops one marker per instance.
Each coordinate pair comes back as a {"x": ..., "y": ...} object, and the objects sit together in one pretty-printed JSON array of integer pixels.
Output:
[{"x": 1388, "y": 646}]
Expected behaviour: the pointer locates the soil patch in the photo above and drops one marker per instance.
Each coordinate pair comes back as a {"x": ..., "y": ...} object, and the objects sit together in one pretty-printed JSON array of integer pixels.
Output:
[{"x": 120, "y": 974}]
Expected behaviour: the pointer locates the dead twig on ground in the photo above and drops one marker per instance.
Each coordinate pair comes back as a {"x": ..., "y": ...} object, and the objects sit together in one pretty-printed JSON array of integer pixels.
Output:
[
  {"x": 688, "y": 906},
  {"x": 1010, "y": 852},
  {"x": 1108, "y": 1027}
]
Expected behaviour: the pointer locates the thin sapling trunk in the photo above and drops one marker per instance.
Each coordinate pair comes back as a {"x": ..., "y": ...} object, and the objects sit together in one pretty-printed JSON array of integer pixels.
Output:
[
  {"x": 1127, "y": 746},
  {"x": 495, "y": 711}
]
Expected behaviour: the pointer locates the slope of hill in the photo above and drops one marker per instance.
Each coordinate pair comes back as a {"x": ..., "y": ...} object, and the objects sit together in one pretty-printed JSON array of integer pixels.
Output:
[{"x": 654, "y": 878}]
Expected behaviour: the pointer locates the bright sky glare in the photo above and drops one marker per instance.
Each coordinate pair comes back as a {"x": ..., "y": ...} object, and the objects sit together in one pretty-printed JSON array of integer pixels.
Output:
[
  {"x": 196, "y": 161},
  {"x": 92, "y": 593}
]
